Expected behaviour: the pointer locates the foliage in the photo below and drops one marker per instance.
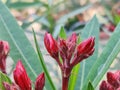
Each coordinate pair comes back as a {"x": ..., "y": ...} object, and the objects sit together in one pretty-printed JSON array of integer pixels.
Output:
[{"x": 85, "y": 76}]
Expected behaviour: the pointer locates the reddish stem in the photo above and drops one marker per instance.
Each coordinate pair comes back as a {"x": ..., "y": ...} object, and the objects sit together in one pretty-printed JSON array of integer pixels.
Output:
[{"x": 65, "y": 81}]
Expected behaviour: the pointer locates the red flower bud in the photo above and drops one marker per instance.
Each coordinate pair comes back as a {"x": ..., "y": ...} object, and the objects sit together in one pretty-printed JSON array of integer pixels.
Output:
[
  {"x": 71, "y": 44},
  {"x": 67, "y": 47},
  {"x": 86, "y": 47},
  {"x": 21, "y": 78},
  {"x": 8, "y": 86},
  {"x": 106, "y": 86},
  {"x": 51, "y": 45},
  {"x": 4, "y": 49},
  {"x": 113, "y": 79},
  {"x": 84, "y": 50},
  {"x": 40, "y": 82},
  {"x": 63, "y": 49},
  {"x": 117, "y": 73},
  {"x": 72, "y": 38}
]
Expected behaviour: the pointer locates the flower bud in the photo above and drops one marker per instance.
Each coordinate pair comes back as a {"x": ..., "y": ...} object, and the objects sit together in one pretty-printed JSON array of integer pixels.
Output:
[
  {"x": 63, "y": 49},
  {"x": 4, "y": 49},
  {"x": 106, "y": 86},
  {"x": 8, "y": 86},
  {"x": 117, "y": 73},
  {"x": 71, "y": 44},
  {"x": 113, "y": 79},
  {"x": 67, "y": 47},
  {"x": 21, "y": 78},
  {"x": 51, "y": 45},
  {"x": 40, "y": 82},
  {"x": 84, "y": 50},
  {"x": 86, "y": 47}
]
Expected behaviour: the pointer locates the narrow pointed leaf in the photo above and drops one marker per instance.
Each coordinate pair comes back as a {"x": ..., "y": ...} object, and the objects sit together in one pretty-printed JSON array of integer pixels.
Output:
[
  {"x": 43, "y": 63},
  {"x": 73, "y": 77},
  {"x": 62, "y": 33},
  {"x": 90, "y": 86},
  {"x": 106, "y": 58},
  {"x": 20, "y": 47},
  {"x": 91, "y": 29},
  {"x": 23, "y": 5}
]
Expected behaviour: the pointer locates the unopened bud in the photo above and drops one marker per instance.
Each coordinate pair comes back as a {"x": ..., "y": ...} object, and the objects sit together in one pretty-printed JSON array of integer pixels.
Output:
[
  {"x": 4, "y": 49},
  {"x": 21, "y": 78},
  {"x": 40, "y": 82}
]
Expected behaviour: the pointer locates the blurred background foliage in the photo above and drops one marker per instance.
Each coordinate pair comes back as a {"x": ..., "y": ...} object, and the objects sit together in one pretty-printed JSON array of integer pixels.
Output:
[{"x": 50, "y": 15}]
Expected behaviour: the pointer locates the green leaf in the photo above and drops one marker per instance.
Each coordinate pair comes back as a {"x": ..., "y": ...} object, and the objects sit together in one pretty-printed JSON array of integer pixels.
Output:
[
  {"x": 23, "y": 5},
  {"x": 43, "y": 63},
  {"x": 73, "y": 77},
  {"x": 62, "y": 33},
  {"x": 3, "y": 78},
  {"x": 19, "y": 44},
  {"x": 91, "y": 29},
  {"x": 90, "y": 86},
  {"x": 106, "y": 58}
]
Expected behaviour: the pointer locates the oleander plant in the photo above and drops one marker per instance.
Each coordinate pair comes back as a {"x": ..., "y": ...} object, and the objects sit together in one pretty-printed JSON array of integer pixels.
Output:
[{"x": 77, "y": 55}]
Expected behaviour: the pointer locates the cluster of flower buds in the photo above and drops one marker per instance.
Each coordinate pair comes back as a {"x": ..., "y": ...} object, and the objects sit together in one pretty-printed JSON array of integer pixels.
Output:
[
  {"x": 70, "y": 53},
  {"x": 22, "y": 80},
  {"x": 68, "y": 50},
  {"x": 112, "y": 83},
  {"x": 4, "y": 49}
]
